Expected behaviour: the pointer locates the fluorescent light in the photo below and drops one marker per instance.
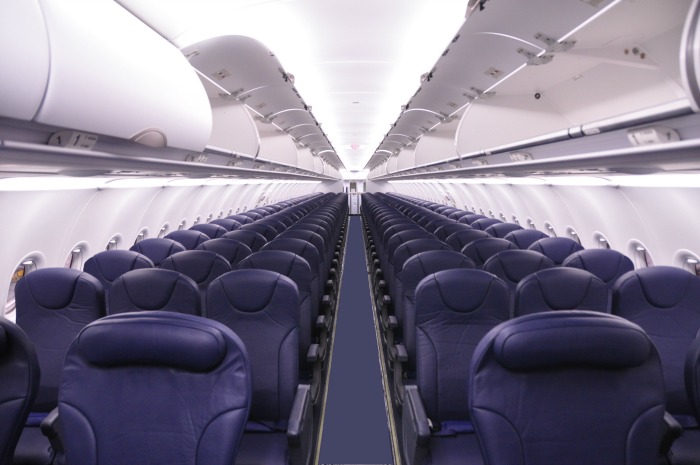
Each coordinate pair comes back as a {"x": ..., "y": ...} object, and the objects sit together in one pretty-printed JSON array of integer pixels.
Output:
[{"x": 49, "y": 183}]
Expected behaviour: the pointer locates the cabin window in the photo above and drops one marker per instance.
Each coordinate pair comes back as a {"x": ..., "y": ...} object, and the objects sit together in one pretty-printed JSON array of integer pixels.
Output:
[
  {"x": 209, "y": 217},
  {"x": 642, "y": 257},
  {"x": 503, "y": 217},
  {"x": 516, "y": 220},
  {"x": 113, "y": 243},
  {"x": 143, "y": 234},
  {"x": 163, "y": 230},
  {"x": 571, "y": 233},
  {"x": 601, "y": 241},
  {"x": 24, "y": 268},
  {"x": 531, "y": 223},
  {"x": 230, "y": 212},
  {"x": 197, "y": 220},
  {"x": 688, "y": 261},
  {"x": 492, "y": 214},
  {"x": 75, "y": 258},
  {"x": 221, "y": 214},
  {"x": 481, "y": 211},
  {"x": 182, "y": 224},
  {"x": 238, "y": 209},
  {"x": 549, "y": 229}
]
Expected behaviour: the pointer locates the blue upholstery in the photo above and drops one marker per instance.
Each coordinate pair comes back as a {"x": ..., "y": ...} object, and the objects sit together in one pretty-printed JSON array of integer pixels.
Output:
[
  {"x": 243, "y": 219},
  {"x": 227, "y": 224},
  {"x": 686, "y": 448},
  {"x": 297, "y": 269},
  {"x": 212, "y": 230},
  {"x": 412, "y": 247},
  {"x": 480, "y": 250},
  {"x": 456, "y": 215},
  {"x": 189, "y": 238},
  {"x": 459, "y": 239},
  {"x": 277, "y": 225},
  {"x": 19, "y": 372},
  {"x": 570, "y": 387},
  {"x": 446, "y": 230},
  {"x": 436, "y": 223},
  {"x": 157, "y": 249},
  {"x": 255, "y": 216},
  {"x": 561, "y": 289},
  {"x": 501, "y": 230},
  {"x": 108, "y": 265},
  {"x": 484, "y": 223},
  {"x": 253, "y": 240},
  {"x": 471, "y": 218},
  {"x": 154, "y": 387},
  {"x": 154, "y": 289},
  {"x": 309, "y": 253},
  {"x": 524, "y": 238},
  {"x": 232, "y": 250},
  {"x": 606, "y": 264},
  {"x": 663, "y": 300},
  {"x": 261, "y": 306},
  {"x": 267, "y": 231},
  {"x": 202, "y": 266},
  {"x": 317, "y": 241},
  {"x": 556, "y": 248},
  {"x": 53, "y": 306},
  {"x": 514, "y": 265}
]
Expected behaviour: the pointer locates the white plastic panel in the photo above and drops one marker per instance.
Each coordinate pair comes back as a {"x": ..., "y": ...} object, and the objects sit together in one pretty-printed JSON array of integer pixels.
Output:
[
  {"x": 407, "y": 158},
  {"x": 276, "y": 145},
  {"x": 391, "y": 164},
  {"x": 305, "y": 159},
  {"x": 24, "y": 54},
  {"x": 111, "y": 74},
  {"x": 435, "y": 147},
  {"x": 233, "y": 128}
]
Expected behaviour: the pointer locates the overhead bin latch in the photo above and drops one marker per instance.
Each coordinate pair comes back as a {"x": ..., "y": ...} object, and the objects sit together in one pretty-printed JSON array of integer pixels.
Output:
[
  {"x": 553, "y": 45},
  {"x": 534, "y": 59}
]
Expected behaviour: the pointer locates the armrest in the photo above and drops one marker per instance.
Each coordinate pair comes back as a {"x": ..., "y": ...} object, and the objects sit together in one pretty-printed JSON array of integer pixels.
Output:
[
  {"x": 416, "y": 427},
  {"x": 51, "y": 428},
  {"x": 300, "y": 429},
  {"x": 672, "y": 431},
  {"x": 401, "y": 354},
  {"x": 393, "y": 322},
  {"x": 312, "y": 354},
  {"x": 322, "y": 322}
]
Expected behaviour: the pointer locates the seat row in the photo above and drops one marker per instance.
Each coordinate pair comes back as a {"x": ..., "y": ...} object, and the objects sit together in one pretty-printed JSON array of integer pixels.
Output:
[
  {"x": 437, "y": 306},
  {"x": 270, "y": 299}
]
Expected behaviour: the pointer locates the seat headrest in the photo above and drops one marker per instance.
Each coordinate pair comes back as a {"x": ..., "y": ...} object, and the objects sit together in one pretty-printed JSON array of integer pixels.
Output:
[
  {"x": 157, "y": 249},
  {"x": 556, "y": 248},
  {"x": 561, "y": 289},
  {"x": 574, "y": 338},
  {"x": 462, "y": 290},
  {"x": 153, "y": 288},
  {"x": 199, "y": 265},
  {"x": 524, "y": 238},
  {"x": 189, "y": 238},
  {"x": 515, "y": 265},
  {"x": 56, "y": 288},
  {"x": 153, "y": 338},
  {"x": 607, "y": 264},
  {"x": 110, "y": 264},
  {"x": 283, "y": 262},
  {"x": 237, "y": 286},
  {"x": 662, "y": 286}
]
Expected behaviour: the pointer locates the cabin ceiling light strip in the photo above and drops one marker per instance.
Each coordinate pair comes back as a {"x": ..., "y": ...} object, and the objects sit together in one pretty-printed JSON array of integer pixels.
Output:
[{"x": 50, "y": 183}]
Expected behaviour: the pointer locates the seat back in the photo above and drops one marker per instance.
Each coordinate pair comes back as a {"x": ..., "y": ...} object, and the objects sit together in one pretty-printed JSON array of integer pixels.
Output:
[
  {"x": 154, "y": 289},
  {"x": 243, "y": 219},
  {"x": 480, "y": 250},
  {"x": 471, "y": 218},
  {"x": 255, "y": 241},
  {"x": 454, "y": 309},
  {"x": 227, "y": 224},
  {"x": 212, "y": 230},
  {"x": 308, "y": 252},
  {"x": 459, "y": 239},
  {"x": 267, "y": 231},
  {"x": 606, "y": 264},
  {"x": 556, "y": 248},
  {"x": 512, "y": 266},
  {"x": 484, "y": 223},
  {"x": 53, "y": 305},
  {"x": 178, "y": 390},
  {"x": 262, "y": 307},
  {"x": 157, "y": 249},
  {"x": 202, "y": 266},
  {"x": 19, "y": 371},
  {"x": 232, "y": 250},
  {"x": 524, "y": 238},
  {"x": 108, "y": 265},
  {"x": 501, "y": 230},
  {"x": 561, "y": 288},
  {"x": 444, "y": 231},
  {"x": 189, "y": 238},
  {"x": 663, "y": 300},
  {"x": 571, "y": 387}
]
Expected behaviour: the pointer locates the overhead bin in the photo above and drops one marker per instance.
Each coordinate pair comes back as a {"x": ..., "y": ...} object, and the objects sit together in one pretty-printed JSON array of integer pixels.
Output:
[{"x": 105, "y": 72}]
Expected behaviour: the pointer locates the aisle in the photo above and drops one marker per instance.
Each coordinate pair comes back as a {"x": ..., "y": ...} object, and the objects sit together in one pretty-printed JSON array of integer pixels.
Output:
[{"x": 355, "y": 428}]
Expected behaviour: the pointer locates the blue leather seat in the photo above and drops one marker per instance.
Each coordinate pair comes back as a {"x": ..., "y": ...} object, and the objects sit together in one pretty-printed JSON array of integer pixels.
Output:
[
  {"x": 456, "y": 215},
  {"x": 108, "y": 265},
  {"x": 454, "y": 309},
  {"x": 459, "y": 239},
  {"x": 189, "y": 238},
  {"x": 227, "y": 224},
  {"x": 251, "y": 214},
  {"x": 480, "y": 250},
  {"x": 444, "y": 231},
  {"x": 663, "y": 300},
  {"x": 471, "y": 218},
  {"x": 267, "y": 231},
  {"x": 248, "y": 301},
  {"x": 409, "y": 249},
  {"x": 556, "y": 248},
  {"x": 157, "y": 249},
  {"x": 154, "y": 289},
  {"x": 278, "y": 225},
  {"x": 432, "y": 226},
  {"x": 571, "y": 387},
  {"x": 606, "y": 264},
  {"x": 484, "y": 223},
  {"x": 202, "y": 266},
  {"x": 501, "y": 230},
  {"x": 255, "y": 241},
  {"x": 212, "y": 230},
  {"x": 232, "y": 250},
  {"x": 53, "y": 306},
  {"x": 19, "y": 371},
  {"x": 524, "y": 238},
  {"x": 686, "y": 449},
  {"x": 243, "y": 219},
  {"x": 561, "y": 288},
  {"x": 155, "y": 387}
]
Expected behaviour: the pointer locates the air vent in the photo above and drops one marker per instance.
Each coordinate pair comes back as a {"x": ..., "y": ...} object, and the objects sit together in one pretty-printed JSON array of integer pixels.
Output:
[
  {"x": 494, "y": 73},
  {"x": 220, "y": 74}
]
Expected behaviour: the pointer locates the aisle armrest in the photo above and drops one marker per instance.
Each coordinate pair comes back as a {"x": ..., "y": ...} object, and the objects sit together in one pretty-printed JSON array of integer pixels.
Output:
[
  {"x": 301, "y": 428},
  {"x": 416, "y": 427}
]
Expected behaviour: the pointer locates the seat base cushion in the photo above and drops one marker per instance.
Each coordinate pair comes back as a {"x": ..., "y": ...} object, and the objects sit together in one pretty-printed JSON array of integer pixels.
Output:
[
  {"x": 460, "y": 449},
  {"x": 686, "y": 449},
  {"x": 33, "y": 448},
  {"x": 262, "y": 448}
]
